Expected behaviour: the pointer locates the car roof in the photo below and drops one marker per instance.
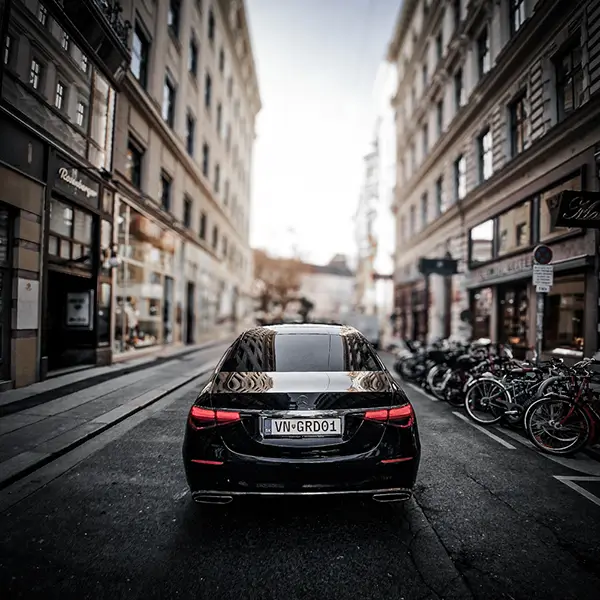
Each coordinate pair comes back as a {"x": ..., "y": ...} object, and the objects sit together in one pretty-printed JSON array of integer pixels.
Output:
[{"x": 307, "y": 328}]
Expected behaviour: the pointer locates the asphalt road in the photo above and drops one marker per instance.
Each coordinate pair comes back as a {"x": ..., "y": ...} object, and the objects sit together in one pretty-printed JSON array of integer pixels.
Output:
[{"x": 113, "y": 520}]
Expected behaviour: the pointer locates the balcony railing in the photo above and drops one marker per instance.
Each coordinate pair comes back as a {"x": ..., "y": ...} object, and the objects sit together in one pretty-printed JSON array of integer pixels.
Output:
[{"x": 112, "y": 11}]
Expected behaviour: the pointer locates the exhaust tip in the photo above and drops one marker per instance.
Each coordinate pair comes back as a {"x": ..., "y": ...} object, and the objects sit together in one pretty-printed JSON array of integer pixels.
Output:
[
  {"x": 392, "y": 497},
  {"x": 211, "y": 499}
]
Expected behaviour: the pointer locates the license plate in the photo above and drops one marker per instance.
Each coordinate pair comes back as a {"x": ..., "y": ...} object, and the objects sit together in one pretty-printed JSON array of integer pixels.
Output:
[{"x": 302, "y": 427}]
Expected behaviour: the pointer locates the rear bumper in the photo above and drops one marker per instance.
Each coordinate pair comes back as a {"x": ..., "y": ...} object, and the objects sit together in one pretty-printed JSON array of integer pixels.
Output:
[{"x": 261, "y": 478}]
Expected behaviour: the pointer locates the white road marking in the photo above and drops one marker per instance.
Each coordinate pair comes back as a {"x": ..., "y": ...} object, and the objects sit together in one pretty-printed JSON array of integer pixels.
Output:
[
  {"x": 585, "y": 465},
  {"x": 484, "y": 430},
  {"x": 568, "y": 481},
  {"x": 180, "y": 495},
  {"x": 418, "y": 389}
]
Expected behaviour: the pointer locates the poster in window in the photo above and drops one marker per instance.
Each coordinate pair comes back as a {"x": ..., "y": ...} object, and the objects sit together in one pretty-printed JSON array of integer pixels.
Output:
[{"x": 79, "y": 310}]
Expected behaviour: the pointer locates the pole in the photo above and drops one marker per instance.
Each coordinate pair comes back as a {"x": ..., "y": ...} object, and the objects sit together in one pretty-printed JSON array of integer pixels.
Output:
[
  {"x": 539, "y": 326},
  {"x": 426, "y": 308}
]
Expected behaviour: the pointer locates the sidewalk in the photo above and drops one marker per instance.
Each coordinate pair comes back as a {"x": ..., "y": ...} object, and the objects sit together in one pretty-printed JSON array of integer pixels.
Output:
[
  {"x": 33, "y": 437},
  {"x": 20, "y": 399}
]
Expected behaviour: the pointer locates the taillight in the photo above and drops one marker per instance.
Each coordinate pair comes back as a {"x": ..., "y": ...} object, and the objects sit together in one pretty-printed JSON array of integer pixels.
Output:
[
  {"x": 401, "y": 416},
  {"x": 201, "y": 418}
]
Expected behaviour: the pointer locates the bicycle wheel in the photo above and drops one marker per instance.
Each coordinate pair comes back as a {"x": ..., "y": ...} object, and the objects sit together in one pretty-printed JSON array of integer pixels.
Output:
[
  {"x": 435, "y": 380},
  {"x": 557, "y": 426},
  {"x": 486, "y": 401}
]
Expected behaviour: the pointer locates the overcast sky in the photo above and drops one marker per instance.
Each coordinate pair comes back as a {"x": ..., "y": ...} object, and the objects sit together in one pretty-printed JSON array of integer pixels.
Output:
[{"x": 317, "y": 61}]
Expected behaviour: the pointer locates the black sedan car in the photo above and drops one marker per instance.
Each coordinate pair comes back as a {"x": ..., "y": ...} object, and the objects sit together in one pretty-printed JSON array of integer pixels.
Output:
[{"x": 301, "y": 410}]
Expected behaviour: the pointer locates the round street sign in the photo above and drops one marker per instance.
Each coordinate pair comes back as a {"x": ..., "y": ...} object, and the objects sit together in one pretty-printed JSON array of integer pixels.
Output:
[{"x": 543, "y": 254}]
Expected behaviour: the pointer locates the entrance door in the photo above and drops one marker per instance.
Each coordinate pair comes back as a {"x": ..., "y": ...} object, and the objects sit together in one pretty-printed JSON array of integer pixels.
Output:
[
  {"x": 5, "y": 294},
  {"x": 190, "y": 313},
  {"x": 513, "y": 321},
  {"x": 168, "y": 310}
]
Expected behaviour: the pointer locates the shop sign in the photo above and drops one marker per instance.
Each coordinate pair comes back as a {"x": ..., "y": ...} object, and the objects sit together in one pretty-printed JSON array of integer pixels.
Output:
[
  {"x": 76, "y": 184},
  {"x": 438, "y": 266},
  {"x": 571, "y": 208},
  {"x": 79, "y": 310}
]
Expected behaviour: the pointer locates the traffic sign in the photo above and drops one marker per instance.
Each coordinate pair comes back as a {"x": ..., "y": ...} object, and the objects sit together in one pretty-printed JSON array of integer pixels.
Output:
[
  {"x": 543, "y": 254},
  {"x": 542, "y": 289},
  {"x": 543, "y": 275}
]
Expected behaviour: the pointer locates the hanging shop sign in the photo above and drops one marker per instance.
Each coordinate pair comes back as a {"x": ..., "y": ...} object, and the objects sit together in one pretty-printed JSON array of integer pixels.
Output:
[
  {"x": 74, "y": 183},
  {"x": 571, "y": 208}
]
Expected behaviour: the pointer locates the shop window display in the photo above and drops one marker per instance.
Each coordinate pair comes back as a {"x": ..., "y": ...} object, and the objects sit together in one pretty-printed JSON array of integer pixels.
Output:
[
  {"x": 142, "y": 291},
  {"x": 481, "y": 307},
  {"x": 564, "y": 314},
  {"x": 514, "y": 318}
]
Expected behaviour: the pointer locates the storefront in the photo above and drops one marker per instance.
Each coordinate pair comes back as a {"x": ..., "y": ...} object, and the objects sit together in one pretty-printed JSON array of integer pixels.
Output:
[
  {"x": 74, "y": 219},
  {"x": 5, "y": 291},
  {"x": 503, "y": 304},
  {"x": 145, "y": 312}
]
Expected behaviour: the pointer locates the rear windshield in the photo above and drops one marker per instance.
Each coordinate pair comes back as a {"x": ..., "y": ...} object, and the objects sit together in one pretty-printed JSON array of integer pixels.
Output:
[{"x": 266, "y": 350}]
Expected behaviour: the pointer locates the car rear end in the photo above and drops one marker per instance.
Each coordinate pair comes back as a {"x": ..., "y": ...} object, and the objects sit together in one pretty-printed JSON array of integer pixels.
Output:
[{"x": 273, "y": 433}]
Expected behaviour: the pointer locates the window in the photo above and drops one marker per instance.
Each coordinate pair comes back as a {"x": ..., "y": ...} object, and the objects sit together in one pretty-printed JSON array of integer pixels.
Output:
[
  {"x": 133, "y": 165},
  {"x": 187, "y": 212},
  {"x": 460, "y": 94},
  {"x": 173, "y": 17},
  {"x": 564, "y": 314},
  {"x": 190, "y": 133},
  {"x": 59, "y": 96},
  {"x": 225, "y": 247},
  {"x": 207, "y": 90},
  {"x": 226, "y": 193},
  {"x": 514, "y": 317},
  {"x": 424, "y": 76},
  {"x": 35, "y": 74},
  {"x": 211, "y": 25},
  {"x": 8, "y": 42},
  {"x": 81, "y": 116},
  {"x": 481, "y": 242},
  {"x": 70, "y": 232},
  {"x": 569, "y": 81},
  {"x": 483, "y": 53},
  {"x": 84, "y": 63},
  {"x": 439, "y": 46},
  {"x": 221, "y": 60},
  {"x": 168, "y": 107},
  {"x": 140, "y": 51},
  {"x": 514, "y": 229},
  {"x": 519, "y": 134},
  {"x": 413, "y": 157},
  {"x": 460, "y": 178},
  {"x": 424, "y": 211},
  {"x": 165, "y": 191},
  {"x": 219, "y": 119},
  {"x": 65, "y": 42},
  {"x": 215, "y": 237},
  {"x": 440, "y": 204},
  {"x": 300, "y": 353},
  {"x": 217, "y": 178},
  {"x": 205, "y": 159},
  {"x": 42, "y": 15},
  {"x": 484, "y": 153},
  {"x": 547, "y": 230},
  {"x": 425, "y": 140},
  {"x": 230, "y": 87},
  {"x": 412, "y": 223},
  {"x": 517, "y": 15},
  {"x": 193, "y": 57},
  {"x": 439, "y": 117},
  {"x": 482, "y": 306},
  {"x": 457, "y": 13},
  {"x": 202, "y": 227},
  {"x": 228, "y": 137}
]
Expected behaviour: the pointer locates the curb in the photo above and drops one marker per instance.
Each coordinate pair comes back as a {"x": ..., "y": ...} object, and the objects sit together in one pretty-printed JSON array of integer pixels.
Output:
[
  {"x": 70, "y": 388},
  {"x": 102, "y": 427}
]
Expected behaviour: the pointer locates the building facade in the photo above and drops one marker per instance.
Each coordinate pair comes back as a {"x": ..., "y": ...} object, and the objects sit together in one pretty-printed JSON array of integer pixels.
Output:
[
  {"x": 497, "y": 110},
  {"x": 60, "y": 68},
  {"x": 183, "y": 158},
  {"x": 374, "y": 227}
]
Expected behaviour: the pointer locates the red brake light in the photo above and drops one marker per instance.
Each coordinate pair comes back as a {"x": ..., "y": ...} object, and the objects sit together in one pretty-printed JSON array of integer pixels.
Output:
[
  {"x": 401, "y": 416},
  {"x": 200, "y": 418}
]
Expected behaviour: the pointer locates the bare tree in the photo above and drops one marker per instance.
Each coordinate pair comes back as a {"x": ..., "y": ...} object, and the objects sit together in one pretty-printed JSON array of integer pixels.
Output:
[{"x": 279, "y": 280}]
